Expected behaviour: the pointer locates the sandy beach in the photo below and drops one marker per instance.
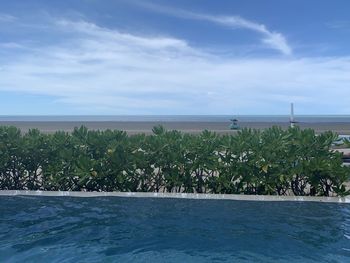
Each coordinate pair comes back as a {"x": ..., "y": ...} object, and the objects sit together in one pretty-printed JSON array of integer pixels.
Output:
[{"x": 135, "y": 127}]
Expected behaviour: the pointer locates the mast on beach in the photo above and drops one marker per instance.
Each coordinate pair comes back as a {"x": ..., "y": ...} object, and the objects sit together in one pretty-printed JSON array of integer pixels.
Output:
[{"x": 292, "y": 119}]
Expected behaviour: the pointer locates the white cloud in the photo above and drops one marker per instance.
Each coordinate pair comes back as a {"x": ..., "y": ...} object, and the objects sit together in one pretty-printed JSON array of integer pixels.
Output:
[
  {"x": 272, "y": 39},
  {"x": 110, "y": 35},
  {"x": 104, "y": 71}
]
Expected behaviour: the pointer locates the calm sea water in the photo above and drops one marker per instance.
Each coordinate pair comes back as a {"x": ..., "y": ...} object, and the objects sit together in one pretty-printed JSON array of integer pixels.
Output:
[
  {"x": 114, "y": 229},
  {"x": 185, "y": 118}
]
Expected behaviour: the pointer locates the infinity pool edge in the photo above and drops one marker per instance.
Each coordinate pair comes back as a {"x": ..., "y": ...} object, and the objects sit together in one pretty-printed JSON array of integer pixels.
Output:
[{"x": 178, "y": 195}]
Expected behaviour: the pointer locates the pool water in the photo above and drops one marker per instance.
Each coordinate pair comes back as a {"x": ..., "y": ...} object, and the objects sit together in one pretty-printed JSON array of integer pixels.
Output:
[{"x": 116, "y": 229}]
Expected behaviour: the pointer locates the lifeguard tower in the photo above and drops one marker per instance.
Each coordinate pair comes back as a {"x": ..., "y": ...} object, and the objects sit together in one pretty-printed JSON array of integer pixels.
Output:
[{"x": 234, "y": 124}]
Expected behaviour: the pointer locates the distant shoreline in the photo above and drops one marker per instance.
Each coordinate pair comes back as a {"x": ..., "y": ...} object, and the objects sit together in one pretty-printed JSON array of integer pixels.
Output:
[{"x": 194, "y": 127}]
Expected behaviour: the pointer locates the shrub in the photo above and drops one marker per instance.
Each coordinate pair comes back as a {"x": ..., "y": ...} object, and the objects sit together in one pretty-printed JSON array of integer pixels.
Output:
[{"x": 273, "y": 161}]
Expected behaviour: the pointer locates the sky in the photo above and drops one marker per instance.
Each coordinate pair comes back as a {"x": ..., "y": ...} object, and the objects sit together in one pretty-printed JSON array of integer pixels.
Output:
[{"x": 184, "y": 57}]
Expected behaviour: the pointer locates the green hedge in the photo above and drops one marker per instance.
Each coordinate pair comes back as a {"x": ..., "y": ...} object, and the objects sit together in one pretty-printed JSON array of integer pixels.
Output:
[{"x": 273, "y": 161}]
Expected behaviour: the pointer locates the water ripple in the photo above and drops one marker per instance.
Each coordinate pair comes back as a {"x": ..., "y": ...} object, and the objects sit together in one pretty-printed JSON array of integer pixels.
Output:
[{"x": 144, "y": 229}]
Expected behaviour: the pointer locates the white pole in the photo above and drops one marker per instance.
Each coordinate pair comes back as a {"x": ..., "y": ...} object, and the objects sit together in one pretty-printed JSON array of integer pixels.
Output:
[{"x": 292, "y": 115}]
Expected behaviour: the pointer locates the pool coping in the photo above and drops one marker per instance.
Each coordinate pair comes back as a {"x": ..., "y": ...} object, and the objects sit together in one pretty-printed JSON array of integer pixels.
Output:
[{"x": 178, "y": 196}]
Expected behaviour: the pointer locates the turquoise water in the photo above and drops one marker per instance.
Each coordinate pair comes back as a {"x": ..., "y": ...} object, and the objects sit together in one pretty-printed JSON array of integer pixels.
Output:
[{"x": 114, "y": 229}]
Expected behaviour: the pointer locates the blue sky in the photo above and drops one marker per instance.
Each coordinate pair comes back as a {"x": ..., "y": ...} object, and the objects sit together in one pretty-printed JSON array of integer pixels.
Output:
[{"x": 174, "y": 57}]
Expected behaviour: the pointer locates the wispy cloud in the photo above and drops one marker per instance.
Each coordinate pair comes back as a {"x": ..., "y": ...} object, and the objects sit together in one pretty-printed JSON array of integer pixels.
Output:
[
  {"x": 104, "y": 71},
  {"x": 339, "y": 24},
  {"x": 10, "y": 45},
  {"x": 93, "y": 30},
  {"x": 272, "y": 39},
  {"x": 7, "y": 18}
]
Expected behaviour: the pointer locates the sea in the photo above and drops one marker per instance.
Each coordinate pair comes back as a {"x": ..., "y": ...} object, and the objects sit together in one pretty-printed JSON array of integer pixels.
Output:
[{"x": 181, "y": 118}]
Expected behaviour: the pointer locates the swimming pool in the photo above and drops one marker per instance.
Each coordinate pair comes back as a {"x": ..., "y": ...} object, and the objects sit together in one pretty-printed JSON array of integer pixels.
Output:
[{"x": 121, "y": 229}]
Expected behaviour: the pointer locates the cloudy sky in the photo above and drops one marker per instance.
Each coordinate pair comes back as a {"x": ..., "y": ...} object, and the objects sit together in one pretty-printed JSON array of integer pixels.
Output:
[{"x": 174, "y": 57}]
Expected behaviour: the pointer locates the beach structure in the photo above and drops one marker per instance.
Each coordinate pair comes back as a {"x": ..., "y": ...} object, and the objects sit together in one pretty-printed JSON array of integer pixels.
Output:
[
  {"x": 292, "y": 119},
  {"x": 234, "y": 124}
]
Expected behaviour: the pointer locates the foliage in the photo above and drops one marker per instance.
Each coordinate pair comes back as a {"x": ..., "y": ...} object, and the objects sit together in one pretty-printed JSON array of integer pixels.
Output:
[
  {"x": 273, "y": 161},
  {"x": 347, "y": 142}
]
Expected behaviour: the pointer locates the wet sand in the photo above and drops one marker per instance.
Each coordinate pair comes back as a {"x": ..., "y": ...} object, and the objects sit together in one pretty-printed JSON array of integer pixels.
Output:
[{"x": 135, "y": 127}]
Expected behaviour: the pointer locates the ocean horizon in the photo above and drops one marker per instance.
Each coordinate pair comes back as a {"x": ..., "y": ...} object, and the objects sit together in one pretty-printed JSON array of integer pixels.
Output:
[{"x": 177, "y": 118}]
